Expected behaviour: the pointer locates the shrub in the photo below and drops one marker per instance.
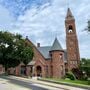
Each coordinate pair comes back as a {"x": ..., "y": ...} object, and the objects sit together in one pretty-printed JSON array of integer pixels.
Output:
[
  {"x": 70, "y": 75},
  {"x": 78, "y": 73},
  {"x": 88, "y": 81},
  {"x": 85, "y": 77}
]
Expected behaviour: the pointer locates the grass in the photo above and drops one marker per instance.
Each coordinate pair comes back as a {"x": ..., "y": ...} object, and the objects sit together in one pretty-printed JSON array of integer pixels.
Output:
[
  {"x": 75, "y": 81},
  {"x": 69, "y": 82}
]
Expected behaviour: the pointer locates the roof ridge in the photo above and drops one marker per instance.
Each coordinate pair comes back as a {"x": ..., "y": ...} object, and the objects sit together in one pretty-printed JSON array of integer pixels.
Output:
[{"x": 43, "y": 46}]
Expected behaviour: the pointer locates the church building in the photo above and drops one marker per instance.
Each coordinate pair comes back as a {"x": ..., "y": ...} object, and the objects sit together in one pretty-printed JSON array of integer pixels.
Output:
[{"x": 54, "y": 61}]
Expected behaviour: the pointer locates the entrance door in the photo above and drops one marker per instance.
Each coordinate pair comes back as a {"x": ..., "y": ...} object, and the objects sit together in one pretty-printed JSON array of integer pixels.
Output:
[
  {"x": 39, "y": 71},
  {"x": 23, "y": 70}
]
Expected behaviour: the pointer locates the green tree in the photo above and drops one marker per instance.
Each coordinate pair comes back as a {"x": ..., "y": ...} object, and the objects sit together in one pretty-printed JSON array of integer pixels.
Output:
[
  {"x": 83, "y": 72},
  {"x": 13, "y": 50},
  {"x": 6, "y": 47},
  {"x": 88, "y": 26},
  {"x": 85, "y": 66},
  {"x": 27, "y": 55}
]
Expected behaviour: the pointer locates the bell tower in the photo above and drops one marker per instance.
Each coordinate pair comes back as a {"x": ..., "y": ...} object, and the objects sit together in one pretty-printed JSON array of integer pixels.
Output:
[{"x": 73, "y": 57}]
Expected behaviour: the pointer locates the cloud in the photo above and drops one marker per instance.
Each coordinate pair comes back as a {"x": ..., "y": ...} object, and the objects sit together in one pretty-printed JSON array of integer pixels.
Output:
[
  {"x": 38, "y": 23},
  {"x": 42, "y": 23},
  {"x": 18, "y": 7},
  {"x": 5, "y": 18}
]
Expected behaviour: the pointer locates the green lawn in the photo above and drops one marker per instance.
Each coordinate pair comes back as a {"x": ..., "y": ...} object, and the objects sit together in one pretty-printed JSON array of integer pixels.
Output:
[
  {"x": 71, "y": 82},
  {"x": 74, "y": 81}
]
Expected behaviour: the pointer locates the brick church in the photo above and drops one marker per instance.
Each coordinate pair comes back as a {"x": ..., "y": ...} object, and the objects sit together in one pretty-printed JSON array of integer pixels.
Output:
[{"x": 53, "y": 61}]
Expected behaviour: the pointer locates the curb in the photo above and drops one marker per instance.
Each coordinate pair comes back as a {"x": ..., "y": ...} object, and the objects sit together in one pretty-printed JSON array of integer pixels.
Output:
[{"x": 84, "y": 87}]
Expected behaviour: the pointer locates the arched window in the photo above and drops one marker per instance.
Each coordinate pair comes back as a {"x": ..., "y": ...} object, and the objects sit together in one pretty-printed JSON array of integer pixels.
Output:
[
  {"x": 70, "y": 29},
  {"x": 61, "y": 56}
]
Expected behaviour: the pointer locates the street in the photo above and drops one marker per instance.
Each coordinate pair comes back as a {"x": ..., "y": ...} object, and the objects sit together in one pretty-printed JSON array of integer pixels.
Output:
[
  {"x": 19, "y": 83},
  {"x": 16, "y": 84}
]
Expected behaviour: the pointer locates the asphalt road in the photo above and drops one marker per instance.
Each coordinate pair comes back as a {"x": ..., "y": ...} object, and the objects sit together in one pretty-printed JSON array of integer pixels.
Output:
[
  {"x": 24, "y": 84},
  {"x": 12, "y": 83},
  {"x": 18, "y": 83}
]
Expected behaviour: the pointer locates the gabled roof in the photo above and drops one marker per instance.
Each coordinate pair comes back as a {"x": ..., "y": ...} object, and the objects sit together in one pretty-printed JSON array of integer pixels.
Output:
[
  {"x": 56, "y": 45},
  {"x": 33, "y": 46},
  {"x": 44, "y": 51}
]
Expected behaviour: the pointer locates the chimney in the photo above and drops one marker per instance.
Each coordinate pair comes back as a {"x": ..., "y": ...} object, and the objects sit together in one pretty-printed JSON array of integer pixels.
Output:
[
  {"x": 38, "y": 44},
  {"x": 26, "y": 37}
]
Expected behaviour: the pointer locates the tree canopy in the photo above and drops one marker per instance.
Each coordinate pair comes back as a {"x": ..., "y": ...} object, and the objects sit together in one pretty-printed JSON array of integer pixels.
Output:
[
  {"x": 83, "y": 72},
  {"x": 13, "y": 50},
  {"x": 88, "y": 26},
  {"x": 85, "y": 66}
]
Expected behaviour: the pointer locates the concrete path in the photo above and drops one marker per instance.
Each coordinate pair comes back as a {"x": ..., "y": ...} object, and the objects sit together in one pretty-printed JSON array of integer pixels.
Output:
[{"x": 5, "y": 85}]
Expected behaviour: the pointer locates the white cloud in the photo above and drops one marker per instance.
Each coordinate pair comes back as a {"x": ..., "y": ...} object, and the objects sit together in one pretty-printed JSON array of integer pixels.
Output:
[
  {"x": 37, "y": 22},
  {"x": 5, "y": 18},
  {"x": 44, "y": 24}
]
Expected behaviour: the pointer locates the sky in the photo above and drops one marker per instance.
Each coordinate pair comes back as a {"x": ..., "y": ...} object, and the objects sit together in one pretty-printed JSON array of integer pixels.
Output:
[{"x": 43, "y": 20}]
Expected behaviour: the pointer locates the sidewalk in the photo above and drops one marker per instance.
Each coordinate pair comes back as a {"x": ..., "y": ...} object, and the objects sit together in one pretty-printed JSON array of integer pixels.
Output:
[
  {"x": 65, "y": 87},
  {"x": 5, "y": 85}
]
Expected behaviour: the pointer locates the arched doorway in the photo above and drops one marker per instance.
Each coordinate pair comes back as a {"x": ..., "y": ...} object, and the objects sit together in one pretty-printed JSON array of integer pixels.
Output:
[
  {"x": 39, "y": 71},
  {"x": 23, "y": 70}
]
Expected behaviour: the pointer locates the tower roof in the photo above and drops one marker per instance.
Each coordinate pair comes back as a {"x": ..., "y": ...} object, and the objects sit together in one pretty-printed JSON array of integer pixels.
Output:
[
  {"x": 69, "y": 14},
  {"x": 56, "y": 45}
]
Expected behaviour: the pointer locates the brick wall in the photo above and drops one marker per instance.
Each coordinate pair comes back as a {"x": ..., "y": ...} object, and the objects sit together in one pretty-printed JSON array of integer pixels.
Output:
[{"x": 58, "y": 68}]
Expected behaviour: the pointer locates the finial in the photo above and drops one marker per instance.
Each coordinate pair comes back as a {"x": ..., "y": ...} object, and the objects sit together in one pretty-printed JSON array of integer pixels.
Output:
[
  {"x": 56, "y": 35},
  {"x": 68, "y": 4}
]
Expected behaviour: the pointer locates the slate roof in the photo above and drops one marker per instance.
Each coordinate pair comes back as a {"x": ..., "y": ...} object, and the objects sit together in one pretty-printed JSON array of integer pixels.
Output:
[
  {"x": 44, "y": 51},
  {"x": 56, "y": 45}
]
